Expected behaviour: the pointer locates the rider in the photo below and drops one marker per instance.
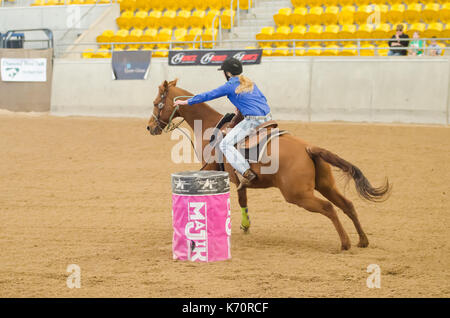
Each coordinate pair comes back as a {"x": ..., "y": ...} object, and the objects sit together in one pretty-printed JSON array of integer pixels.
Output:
[{"x": 251, "y": 103}]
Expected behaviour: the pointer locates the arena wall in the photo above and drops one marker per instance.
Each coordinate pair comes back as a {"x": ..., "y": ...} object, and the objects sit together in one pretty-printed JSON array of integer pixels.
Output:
[
  {"x": 409, "y": 90},
  {"x": 27, "y": 96}
]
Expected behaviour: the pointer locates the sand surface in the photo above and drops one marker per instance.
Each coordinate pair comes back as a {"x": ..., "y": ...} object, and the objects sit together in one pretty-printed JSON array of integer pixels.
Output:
[{"x": 96, "y": 193}]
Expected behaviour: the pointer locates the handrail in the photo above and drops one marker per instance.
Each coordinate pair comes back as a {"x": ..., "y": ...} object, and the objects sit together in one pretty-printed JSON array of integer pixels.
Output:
[{"x": 220, "y": 28}]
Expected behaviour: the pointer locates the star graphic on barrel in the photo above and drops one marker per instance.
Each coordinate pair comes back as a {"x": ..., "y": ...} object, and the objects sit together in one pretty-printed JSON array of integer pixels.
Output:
[{"x": 179, "y": 184}]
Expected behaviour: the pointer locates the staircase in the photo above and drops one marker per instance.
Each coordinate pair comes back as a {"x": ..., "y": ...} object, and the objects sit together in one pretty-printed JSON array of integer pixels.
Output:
[{"x": 250, "y": 23}]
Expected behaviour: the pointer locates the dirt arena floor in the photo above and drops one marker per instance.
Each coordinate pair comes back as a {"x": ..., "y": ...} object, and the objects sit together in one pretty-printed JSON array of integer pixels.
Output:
[{"x": 96, "y": 193}]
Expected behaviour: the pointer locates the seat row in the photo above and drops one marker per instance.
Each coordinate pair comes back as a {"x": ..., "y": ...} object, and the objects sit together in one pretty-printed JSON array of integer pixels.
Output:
[
  {"x": 333, "y": 50},
  {"x": 171, "y": 19},
  {"x": 313, "y": 3},
  {"x": 137, "y": 37},
  {"x": 347, "y": 31},
  {"x": 182, "y": 4},
  {"x": 397, "y": 13}
]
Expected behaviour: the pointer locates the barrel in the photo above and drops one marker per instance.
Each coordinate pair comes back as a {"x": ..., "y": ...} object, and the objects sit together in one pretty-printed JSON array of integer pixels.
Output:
[{"x": 201, "y": 216}]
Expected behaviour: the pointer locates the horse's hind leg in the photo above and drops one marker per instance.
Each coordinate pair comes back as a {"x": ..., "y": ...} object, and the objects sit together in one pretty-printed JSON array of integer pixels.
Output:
[
  {"x": 311, "y": 203},
  {"x": 326, "y": 186}
]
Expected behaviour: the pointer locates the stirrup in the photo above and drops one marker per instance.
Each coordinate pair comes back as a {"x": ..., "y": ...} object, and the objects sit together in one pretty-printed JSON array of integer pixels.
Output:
[{"x": 243, "y": 181}]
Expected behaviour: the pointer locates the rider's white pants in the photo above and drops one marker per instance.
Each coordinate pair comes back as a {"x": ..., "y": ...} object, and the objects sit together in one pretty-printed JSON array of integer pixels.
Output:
[{"x": 238, "y": 133}]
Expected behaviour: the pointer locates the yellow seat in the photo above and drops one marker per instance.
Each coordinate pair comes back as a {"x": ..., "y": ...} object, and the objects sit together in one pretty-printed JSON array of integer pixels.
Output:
[
  {"x": 168, "y": 19},
  {"x": 382, "y": 31},
  {"x": 265, "y": 34},
  {"x": 200, "y": 4},
  {"x": 444, "y": 13},
  {"x": 87, "y": 54},
  {"x": 364, "y": 32},
  {"x": 172, "y": 5},
  {"x": 164, "y": 35},
  {"x": 160, "y": 52},
  {"x": 135, "y": 36},
  {"x": 244, "y": 4},
  {"x": 143, "y": 5},
  {"x": 298, "y": 3},
  {"x": 298, "y": 16},
  {"x": 396, "y": 13},
  {"x": 298, "y": 33},
  {"x": 197, "y": 19},
  {"x": 124, "y": 21},
  {"x": 187, "y": 5},
  {"x": 314, "y": 3},
  {"x": 282, "y": 51},
  {"x": 180, "y": 35},
  {"x": 328, "y": 3},
  {"x": 433, "y": 29},
  {"x": 219, "y": 4},
  {"x": 194, "y": 34},
  {"x": 182, "y": 19},
  {"x": 153, "y": 19},
  {"x": 101, "y": 54},
  {"x": 314, "y": 32},
  {"x": 149, "y": 36},
  {"x": 281, "y": 33},
  {"x": 128, "y": 5},
  {"x": 347, "y": 15},
  {"x": 331, "y": 32},
  {"x": 210, "y": 35},
  {"x": 330, "y": 15},
  {"x": 413, "y": 13},
  {"x": 227, "y": 16},
  {"x": 347, "y": 32},
  {"x": 367, "y": 50},
  {"x": 344, "y": 3},
  {"x": 267, "y": 51},
  {"x": 212, "y": 14},
  {"x": 282, "y": 18},
  {"x": 330, "y": 50},
  {"x": 314, "y": 15},
  {"x": 363, "y": 13},
  {"x": 315, "y": 50},
  {"x": 53, "y": 3},
  {"x": 382, "y": 50},
  {"x": 38, "y": 3},
  {"x": 349, "y": 50},
  {"x": 430, "y": 13},
  {"x": 104, "y": 40},
  {"x": 138, "y": 21},
  {"x": 416, "y": 27},
  {"x": 120, "y": 36}
]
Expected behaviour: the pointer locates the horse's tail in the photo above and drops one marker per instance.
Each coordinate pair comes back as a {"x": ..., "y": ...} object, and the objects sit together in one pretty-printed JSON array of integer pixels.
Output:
[{"x": 363, "y": 186}]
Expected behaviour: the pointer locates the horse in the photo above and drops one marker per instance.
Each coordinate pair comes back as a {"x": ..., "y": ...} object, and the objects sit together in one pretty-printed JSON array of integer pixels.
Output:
[{"x": 303, "y": 167}]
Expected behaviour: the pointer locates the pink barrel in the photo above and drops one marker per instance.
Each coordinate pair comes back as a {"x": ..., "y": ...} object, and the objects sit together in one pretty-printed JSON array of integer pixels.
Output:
[{"x": 201, "y": 216}]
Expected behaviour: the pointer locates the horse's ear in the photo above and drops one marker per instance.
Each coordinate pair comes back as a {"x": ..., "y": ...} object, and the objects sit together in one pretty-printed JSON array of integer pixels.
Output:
[
  {"x": 166, "y": 85},
  {"x": 174, "y": 82}
]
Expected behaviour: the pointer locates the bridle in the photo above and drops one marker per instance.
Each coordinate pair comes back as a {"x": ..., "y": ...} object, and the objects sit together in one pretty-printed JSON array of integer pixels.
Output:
[{"x": 169, "y": 126}]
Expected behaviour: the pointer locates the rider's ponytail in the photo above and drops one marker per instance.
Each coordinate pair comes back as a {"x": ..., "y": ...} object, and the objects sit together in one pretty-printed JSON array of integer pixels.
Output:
[{"x": 246, "y": 85}]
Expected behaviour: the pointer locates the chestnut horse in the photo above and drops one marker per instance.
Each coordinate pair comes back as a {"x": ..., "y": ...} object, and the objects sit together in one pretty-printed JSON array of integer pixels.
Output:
[{"x": 303, "y": 167}]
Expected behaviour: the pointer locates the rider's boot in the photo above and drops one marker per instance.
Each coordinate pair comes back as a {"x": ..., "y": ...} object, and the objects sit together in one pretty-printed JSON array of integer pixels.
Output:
[{"x": 246, "y": 179}]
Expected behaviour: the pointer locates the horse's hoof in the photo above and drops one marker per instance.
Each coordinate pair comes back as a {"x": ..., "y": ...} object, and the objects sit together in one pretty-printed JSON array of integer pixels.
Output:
[
  {"x": 363, "y": 244},
  {"x": 246, "y": 229},
  {"x": 345, "y": 247}
]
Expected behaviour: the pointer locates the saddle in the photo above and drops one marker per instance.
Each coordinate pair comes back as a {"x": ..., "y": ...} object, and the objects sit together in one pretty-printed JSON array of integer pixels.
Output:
[{"x": 253, "y": 146}]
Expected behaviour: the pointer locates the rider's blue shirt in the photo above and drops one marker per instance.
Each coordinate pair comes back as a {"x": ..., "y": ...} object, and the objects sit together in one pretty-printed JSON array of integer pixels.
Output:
[{"x": 252, "y": 103}]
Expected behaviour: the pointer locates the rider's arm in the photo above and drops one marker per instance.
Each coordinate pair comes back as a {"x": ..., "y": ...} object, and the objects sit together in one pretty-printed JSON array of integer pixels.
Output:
[{"x": 215, "y": 93}]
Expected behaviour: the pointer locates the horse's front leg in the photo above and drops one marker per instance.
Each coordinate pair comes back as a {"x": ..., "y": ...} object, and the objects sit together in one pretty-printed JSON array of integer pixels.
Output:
[{"x": 245, "y": 219}]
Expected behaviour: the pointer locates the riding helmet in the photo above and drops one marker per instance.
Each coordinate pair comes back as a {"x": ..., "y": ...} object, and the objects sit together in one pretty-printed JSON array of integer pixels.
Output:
[{"x": 232, "y": 65}]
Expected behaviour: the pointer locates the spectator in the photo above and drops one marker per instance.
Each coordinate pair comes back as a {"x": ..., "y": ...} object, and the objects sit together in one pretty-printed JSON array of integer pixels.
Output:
[
  {"x": 396, "y": 44},
  {"x": 416, "y": 45},
  {"x": 434, "y": 49}
]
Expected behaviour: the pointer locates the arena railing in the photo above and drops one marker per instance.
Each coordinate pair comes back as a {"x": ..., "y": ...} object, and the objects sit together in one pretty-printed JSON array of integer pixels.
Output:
[{"x": 296, "y": 45}]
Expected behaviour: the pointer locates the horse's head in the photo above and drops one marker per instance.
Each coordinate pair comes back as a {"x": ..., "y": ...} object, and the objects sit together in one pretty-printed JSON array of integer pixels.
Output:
[{"x": 163, "y": 109}]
